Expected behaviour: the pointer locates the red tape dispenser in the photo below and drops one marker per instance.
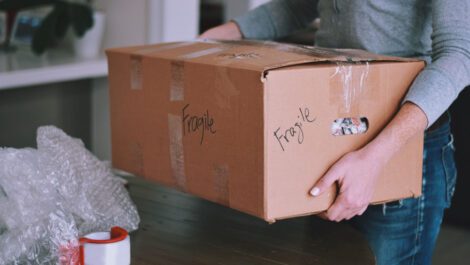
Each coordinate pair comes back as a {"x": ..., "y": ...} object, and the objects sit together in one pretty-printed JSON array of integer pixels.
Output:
[{"x": 106, "y": 248}]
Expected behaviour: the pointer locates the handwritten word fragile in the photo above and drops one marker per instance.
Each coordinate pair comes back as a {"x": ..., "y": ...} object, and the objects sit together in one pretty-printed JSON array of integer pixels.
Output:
[
  {"x": 296, "y": 131},
  {"x": 194, "y": 123}
]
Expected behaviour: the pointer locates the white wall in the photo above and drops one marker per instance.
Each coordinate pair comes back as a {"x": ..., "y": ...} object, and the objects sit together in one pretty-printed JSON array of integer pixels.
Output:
[
  {"x": 125, "y": 22},
  {"x": 172, "y": 20},
  {"x": 136, "y": 22},
  {"x": 148, "y": 21},
  {"x": 126, "y": 25},
  {"x": 100, "y": 126}
]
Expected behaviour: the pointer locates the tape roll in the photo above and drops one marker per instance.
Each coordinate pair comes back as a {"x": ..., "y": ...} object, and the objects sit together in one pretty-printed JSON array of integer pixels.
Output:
[{"x": 106, "y": 248}]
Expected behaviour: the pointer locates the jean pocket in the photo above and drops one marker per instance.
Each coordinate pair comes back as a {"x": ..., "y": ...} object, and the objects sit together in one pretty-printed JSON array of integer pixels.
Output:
[{"x": 450, "y": 170}]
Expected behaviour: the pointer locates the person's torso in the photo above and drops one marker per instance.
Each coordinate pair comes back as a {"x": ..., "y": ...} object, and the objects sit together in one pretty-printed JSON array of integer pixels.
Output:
[{"x": 392, "y": 27}]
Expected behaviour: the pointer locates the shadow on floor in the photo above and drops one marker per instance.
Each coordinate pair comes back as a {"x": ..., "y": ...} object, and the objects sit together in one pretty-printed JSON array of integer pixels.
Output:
[{"x": 453, "y": 246}]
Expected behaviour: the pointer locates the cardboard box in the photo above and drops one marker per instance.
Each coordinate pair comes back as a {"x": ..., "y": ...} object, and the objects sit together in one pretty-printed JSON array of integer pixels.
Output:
[{"x": 251, "y": 125}]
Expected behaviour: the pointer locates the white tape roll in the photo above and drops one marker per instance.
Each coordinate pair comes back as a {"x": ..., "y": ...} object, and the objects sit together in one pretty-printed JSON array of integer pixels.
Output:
[{"x": 106, "y": 248}]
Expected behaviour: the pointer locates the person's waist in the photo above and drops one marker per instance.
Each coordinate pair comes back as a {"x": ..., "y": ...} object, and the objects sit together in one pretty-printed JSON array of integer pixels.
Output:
[{"x": 440, "y": 128}]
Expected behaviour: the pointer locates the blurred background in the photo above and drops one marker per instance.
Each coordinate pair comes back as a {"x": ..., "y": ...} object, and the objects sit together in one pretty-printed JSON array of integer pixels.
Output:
[{"x": 63, "y": 82}]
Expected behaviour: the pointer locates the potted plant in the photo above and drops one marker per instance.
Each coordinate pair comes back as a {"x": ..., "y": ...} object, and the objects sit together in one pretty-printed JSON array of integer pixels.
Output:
[
  {"x": 89, "y": 45},
  {"x": 64, "y": 14}
]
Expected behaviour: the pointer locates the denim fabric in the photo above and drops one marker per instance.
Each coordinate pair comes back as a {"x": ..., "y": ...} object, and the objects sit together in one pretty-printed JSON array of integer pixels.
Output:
[{"x": 405, "y": 232}]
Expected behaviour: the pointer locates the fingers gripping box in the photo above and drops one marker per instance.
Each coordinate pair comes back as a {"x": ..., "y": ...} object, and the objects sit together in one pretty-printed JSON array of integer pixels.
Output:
[{"x": 254, "y": 125}]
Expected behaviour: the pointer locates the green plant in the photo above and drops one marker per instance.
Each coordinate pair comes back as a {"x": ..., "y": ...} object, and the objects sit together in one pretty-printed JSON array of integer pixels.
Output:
[{"x": 64, "y": 14}]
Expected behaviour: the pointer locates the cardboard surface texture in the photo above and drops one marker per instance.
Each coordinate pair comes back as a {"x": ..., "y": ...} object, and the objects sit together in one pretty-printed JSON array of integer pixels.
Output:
[{"x": 254, "y": 125}]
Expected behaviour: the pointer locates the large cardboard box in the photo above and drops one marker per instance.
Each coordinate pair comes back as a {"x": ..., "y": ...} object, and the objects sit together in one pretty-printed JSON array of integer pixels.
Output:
[{"x": 252, "y": 125}]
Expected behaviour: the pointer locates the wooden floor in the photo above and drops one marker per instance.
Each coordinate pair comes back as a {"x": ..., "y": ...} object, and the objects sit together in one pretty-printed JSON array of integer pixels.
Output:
[
  {"x": 453, "y": 246},
  {"x": 179, "y": 229}
]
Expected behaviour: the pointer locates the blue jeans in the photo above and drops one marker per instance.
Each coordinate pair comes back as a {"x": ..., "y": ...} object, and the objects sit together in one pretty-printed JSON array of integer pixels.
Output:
[{"x": 405, "y": 232}]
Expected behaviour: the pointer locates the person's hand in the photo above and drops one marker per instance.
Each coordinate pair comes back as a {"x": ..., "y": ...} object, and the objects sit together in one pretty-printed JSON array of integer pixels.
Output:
[
  {"x": 227, "y": 31},
  {"x": 356, "y": 174}
]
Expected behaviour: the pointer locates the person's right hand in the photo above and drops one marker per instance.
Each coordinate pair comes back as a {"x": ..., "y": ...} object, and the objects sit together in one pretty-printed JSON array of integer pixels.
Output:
[{"x": 227, "y": 31}]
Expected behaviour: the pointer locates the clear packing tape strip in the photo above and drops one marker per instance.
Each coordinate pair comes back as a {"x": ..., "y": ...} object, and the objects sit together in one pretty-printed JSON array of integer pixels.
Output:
[{"x": 351, "y": 90}]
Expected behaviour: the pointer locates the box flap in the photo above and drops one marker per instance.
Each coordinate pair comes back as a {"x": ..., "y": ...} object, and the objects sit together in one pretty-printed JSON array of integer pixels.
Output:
[{"x": 253, "y": 55}]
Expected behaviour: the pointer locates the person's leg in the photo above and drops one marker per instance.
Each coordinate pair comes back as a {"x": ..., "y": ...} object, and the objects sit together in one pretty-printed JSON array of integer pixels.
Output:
[{"x": 405, "y": 232}]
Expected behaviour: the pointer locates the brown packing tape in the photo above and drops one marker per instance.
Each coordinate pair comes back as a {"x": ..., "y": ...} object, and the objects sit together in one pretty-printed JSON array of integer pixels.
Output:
[{"x": 175, "y": 131}]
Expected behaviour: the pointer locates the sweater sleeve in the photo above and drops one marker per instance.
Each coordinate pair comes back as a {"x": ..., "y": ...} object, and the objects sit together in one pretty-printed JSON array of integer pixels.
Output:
[
  {"x": 439, "y": 84},
  {"x": 277, "y": 19}
]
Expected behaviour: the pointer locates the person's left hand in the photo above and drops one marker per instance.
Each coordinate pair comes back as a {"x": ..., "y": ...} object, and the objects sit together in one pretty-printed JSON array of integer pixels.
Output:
[{"x": 356, "y": 174}]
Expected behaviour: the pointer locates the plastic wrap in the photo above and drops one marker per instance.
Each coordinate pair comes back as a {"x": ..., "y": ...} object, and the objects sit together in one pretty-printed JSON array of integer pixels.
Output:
[{"x": 52, "y": 195}]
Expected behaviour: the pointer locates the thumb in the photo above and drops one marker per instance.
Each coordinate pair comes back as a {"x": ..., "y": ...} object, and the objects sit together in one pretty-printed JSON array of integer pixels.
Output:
[{"x": 326, "y": 181}]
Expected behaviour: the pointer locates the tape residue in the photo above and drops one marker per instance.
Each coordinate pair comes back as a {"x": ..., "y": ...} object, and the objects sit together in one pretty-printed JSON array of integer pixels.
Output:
[
  {"x": 202, "y": 53},
  {"x": 225, "y": 88},
  {"x": 177, "y": 81},
  {"x": 136, "y": 72},
  {"x": 175, "y": 130},
  {"x": 349, "y": 92},
  {"x": 137, "y": 157},
  {"x": 364, "y": 75},
  {"x": 240, "y": 56},
  {"x": 178, "y": 69},
  {"x": 149, "y": 50}
]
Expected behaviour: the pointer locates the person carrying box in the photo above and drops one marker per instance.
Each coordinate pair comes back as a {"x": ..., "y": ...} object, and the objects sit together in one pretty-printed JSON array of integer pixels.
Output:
[{"x": 437, "y": 31}]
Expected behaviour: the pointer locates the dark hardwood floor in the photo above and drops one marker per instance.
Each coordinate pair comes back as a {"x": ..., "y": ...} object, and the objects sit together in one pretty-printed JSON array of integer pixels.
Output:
[
  {"x": 453, "y": 246},
  {"x": 180, "y": 229}
]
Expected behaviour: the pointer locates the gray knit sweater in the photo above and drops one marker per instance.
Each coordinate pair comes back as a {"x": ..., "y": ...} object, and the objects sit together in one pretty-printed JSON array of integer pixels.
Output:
[{"x": 435, "y": 30}]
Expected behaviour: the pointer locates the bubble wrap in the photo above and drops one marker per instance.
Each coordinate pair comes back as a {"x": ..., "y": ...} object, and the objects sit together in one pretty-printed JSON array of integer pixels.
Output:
[{"x": 52, "y": 195}]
